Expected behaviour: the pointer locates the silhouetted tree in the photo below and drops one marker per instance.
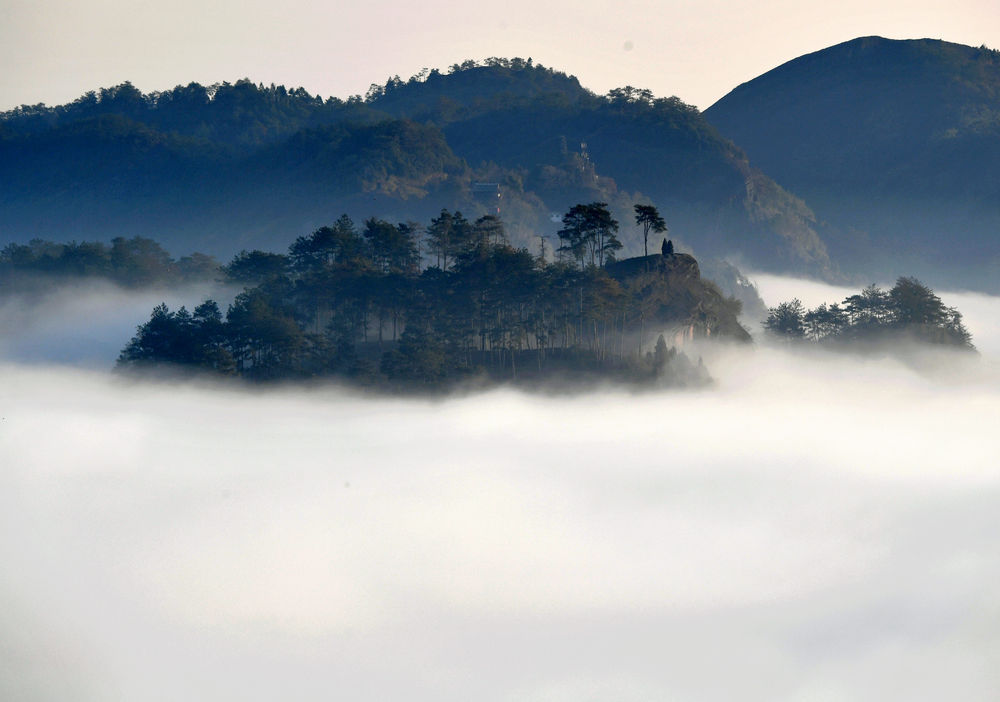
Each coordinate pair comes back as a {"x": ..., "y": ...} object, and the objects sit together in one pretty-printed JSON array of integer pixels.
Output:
[
  {"x": 825, "y": 321},
  {"x": 489, "y": 228},
  {"x": 869, "y": 307},
  {"x": 393, "y": 249},
  {"x": 339, "y": 245},
  {"x": 913, "y": 303},
  {"x": 139, "y": 260},
  {"x": 447, "y": 236},
  {"x": 589, "y": 229},
  {"x": 648, "y": 217},
  {"x": 255, "y": 267},
  {"x": 786, "y": 320},
  {"x": 180, "y": 339},
  {"x": 909, "y": 311}
]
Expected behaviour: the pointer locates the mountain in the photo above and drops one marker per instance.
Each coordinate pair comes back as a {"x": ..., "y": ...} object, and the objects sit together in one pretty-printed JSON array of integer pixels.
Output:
[
  {"x": 627, "y": 146},
  {"x": 895, "y": 143},
  {"x": 471, "y": 89},
  {"x": 225, "y": 167},
  {"x": 658, "y": 150}
]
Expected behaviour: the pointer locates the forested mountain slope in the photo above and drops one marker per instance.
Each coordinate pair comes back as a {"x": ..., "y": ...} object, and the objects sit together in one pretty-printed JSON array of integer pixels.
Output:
[
  {"x": 897, "y": 143},
  {"x": 231, "y": 166},
  {"x": 657, "y": 149}
]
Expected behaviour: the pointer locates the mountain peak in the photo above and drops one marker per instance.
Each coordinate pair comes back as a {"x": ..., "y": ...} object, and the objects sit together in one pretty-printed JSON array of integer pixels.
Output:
[
  {"x": 895, "y": 141},
  {"x": 473, "y": 87}
]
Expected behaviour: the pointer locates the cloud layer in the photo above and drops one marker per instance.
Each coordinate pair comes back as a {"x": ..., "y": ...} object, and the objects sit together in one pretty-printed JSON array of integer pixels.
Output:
[{"x": 813, "y": 528}]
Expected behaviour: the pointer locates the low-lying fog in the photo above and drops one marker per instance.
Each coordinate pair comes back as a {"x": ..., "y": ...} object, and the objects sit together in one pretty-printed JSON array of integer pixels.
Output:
[
  {"x": 813, "y": 528},
  {"x": 979, "y": 311},
  {"x": 86, "y": 324}
]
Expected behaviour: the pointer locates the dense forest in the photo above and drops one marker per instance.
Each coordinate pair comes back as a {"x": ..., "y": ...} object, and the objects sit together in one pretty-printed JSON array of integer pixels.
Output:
[
  {"x": 353, "y": 303},
  {"x": 895, "y": 143},
  {"x": 882, "y": 151},
  {"x": 134, "y": 262},
  {"x": 230, "y": 166},
  {"x": 909, "y": 311}
]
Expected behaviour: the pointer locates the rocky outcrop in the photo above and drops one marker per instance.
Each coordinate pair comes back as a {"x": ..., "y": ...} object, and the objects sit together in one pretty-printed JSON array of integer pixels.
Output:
[{"x": 674, "y": 297}]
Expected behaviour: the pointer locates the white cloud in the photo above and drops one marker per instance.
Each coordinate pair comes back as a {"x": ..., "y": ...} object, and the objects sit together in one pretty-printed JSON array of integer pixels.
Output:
[{"x": 813, "y": 528}]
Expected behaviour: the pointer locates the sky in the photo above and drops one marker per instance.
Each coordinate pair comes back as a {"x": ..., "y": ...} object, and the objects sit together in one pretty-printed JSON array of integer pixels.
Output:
[{"x": 53, "y": 51}]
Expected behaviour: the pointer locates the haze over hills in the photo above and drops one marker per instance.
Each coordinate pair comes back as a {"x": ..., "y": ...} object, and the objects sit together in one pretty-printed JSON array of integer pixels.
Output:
[
  {"x": 235, "y": 166},
  {"x": 895, "y": 143},
  {"x": 535, "y": 516}
]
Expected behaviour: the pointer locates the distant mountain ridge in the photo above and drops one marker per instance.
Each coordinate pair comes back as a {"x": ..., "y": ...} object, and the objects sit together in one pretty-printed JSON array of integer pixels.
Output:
[
  {"x": 894, "y": 142},
  {"x": 232, "y": 166}
]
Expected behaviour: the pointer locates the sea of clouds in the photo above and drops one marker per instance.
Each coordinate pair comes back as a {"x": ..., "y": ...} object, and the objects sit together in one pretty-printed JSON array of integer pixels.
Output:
[{"x": 814, "y": 527}]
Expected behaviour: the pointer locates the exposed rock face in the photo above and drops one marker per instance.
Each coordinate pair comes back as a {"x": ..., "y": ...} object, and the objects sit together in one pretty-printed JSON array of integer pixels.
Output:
[
  {"x": 676, "y": 266},
  {"x": 675, "y": 297}
]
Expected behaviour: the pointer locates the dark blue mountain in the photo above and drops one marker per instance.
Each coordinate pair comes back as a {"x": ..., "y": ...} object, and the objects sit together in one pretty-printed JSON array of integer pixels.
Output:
[
  {"x": 232, "y": 166},
  {"x": 895, "y": 143}
]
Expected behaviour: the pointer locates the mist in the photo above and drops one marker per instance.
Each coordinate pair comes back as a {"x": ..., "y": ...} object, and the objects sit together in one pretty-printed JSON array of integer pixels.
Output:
[
  {"x": 978, "y": 310},
  {"x": 87, "y": 322},
  {"x": 814, "y": 527}
]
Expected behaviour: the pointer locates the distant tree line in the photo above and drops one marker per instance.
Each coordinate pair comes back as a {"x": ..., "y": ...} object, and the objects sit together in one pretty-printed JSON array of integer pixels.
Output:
[
  {"x": 276, "y": 153},
  {"x": 244, "y": 114},
  {"x": 238, "y": 114},
  {"x": 352, "y": 302},
  {"x": 909, "y": 310},
  {"x": 132, "y": 262}
]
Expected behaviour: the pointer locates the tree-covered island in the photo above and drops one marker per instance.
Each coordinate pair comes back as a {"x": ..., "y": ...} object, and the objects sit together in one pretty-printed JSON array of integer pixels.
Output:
[
  {"x": 907, "y": 312},
  {"x": 353, "y": 303}
]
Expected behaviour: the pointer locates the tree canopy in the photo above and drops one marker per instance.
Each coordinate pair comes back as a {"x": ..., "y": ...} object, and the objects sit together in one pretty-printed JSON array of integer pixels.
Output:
[
  {"x": 648, "y": 217},
  {"x": 908, "y": 311},
  {"x": 132, "y": 262},
  {"x": 589, "y": 232},
  {"x": 356, "y": 305}
]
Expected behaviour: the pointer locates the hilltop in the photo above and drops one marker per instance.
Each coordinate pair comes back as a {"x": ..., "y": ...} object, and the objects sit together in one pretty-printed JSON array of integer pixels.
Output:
[
  {"x": 896, "y": 143},
  {"x": 351, "y": 304}
]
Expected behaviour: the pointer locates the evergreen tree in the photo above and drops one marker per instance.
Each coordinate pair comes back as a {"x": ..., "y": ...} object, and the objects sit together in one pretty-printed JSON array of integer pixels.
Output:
[
  {"x": 787, "y": 320},
  {"x": 327, "y": 247},
  {"x": 589, "y": 229},
  {"x": 255, "y": 267},
  {"x": 449, "y": 235},
  {"x": 648, "y": 217}
]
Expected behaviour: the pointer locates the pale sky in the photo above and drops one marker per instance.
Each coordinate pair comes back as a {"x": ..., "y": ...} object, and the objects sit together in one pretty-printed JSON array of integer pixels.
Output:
[{"x": 52, "y": 51}]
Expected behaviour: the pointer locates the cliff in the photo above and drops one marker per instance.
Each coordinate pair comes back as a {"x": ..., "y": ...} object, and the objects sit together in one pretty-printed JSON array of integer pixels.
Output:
[{"x": 677, "y": 300}]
